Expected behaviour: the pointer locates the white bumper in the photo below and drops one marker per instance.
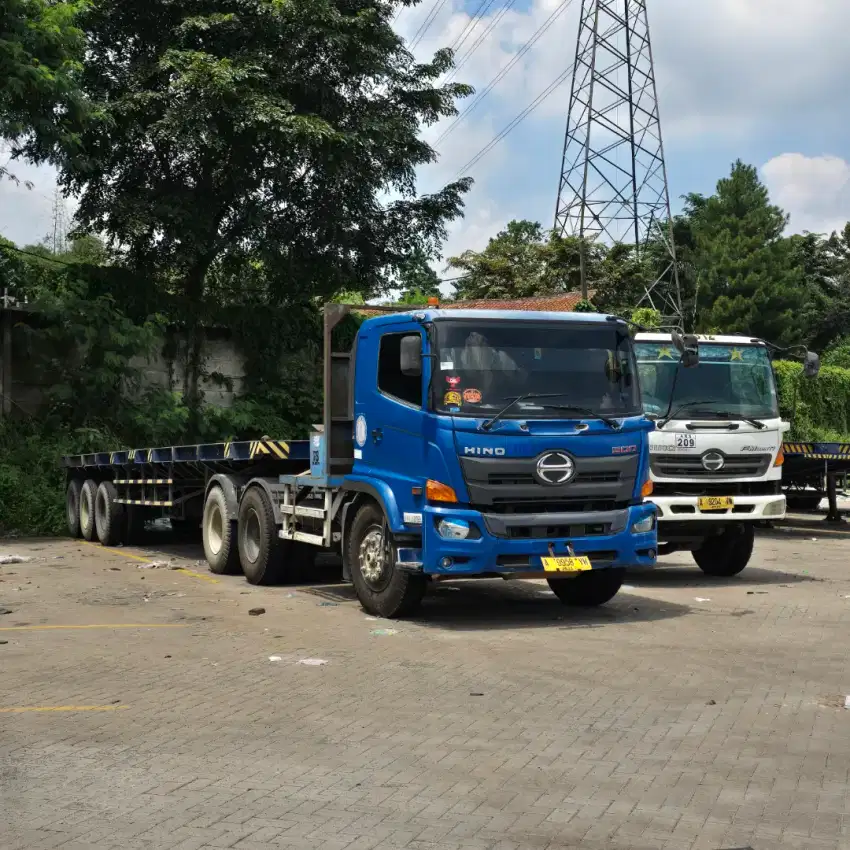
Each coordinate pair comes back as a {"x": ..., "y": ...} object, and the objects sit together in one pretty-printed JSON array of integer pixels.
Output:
[{"x": 746, "y": 508}]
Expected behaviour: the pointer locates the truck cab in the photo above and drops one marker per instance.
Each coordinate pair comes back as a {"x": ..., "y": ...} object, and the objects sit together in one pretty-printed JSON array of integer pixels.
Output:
[
  {"x": 716, "y": 451},
  {"x": 499, "y": 444}
]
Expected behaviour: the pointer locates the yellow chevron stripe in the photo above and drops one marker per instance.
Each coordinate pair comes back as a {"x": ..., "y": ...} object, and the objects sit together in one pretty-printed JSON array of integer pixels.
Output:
[
  {"x": 227, "y": 450},
  {"x": 276, "y": 449}
]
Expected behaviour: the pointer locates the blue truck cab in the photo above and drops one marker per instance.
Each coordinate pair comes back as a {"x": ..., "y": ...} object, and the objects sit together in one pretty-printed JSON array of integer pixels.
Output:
[
  {"x": 497, "y": 444},
  {"x": 453, "y": 444}
]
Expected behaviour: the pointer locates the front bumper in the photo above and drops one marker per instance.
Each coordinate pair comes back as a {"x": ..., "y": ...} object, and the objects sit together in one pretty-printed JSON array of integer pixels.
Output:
[
  {"x": 494, "y": 555},
  {"x": 746, "y": 509}
]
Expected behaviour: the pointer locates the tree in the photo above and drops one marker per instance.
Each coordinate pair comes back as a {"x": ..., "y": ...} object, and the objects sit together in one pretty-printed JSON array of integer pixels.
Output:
[
  {"x": 240, "y": 130},
  {"x": 418, "y": 280},
  {"x": 40, "y": 51},
  {"x": 748, "y": 280}
]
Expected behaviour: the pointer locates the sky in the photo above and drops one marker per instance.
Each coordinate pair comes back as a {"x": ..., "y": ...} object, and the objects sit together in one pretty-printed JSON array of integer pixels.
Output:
[{"x": 759, "y": 80}]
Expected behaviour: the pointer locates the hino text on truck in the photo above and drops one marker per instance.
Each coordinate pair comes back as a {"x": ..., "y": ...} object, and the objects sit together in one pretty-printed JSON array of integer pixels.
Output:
[
  {"x": 455, "y": 444},
  {"x": 716, "y": 454}
]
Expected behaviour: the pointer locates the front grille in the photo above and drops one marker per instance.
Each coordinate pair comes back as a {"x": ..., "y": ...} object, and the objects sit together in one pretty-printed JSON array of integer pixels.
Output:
[
  {"x": 690, "y": 466},
  {"x": 536, "y": 532},
  {"x": 541, "y": 504},
  {"x": 710, "y": 488},
  {"x": 498, "y": 479}
]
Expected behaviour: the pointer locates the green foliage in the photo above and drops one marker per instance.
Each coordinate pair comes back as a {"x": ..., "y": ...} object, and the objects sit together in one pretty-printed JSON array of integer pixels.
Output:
[
  {"x": 838, "y": 354},
  {"x": 41, "y": 48},
  {"x": 647, "y": 317},
  {"x": 584, "y": 306},
  {"x": 818, "y": 408}
]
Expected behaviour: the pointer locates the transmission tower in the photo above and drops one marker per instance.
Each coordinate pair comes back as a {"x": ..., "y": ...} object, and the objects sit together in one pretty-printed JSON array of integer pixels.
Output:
[
  {"x": 613, "y": 185},
  {"x": 59, "y": 240}
]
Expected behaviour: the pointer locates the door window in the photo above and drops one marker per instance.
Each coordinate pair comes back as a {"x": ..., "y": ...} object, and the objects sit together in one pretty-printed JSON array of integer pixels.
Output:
[{"x": 391, "y": 380}]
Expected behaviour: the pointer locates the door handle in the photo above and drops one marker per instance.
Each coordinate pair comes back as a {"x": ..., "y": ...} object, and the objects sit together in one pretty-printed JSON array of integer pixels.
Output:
[{"x": 377, "y": 435}]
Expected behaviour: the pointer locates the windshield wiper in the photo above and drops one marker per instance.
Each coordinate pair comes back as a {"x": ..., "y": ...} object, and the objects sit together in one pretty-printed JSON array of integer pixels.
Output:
[
  {"x": 486, "y": 426},
  {"x": 586, "y": 411},
  {"x": 728, "y": 414},
  {"x": 719, "y": 413}
]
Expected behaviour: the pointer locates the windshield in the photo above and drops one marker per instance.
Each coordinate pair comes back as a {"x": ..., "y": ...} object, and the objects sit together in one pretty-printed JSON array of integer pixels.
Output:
[
  {"x": 736, "y": 380},
  {"x": 482, "y": 365}
]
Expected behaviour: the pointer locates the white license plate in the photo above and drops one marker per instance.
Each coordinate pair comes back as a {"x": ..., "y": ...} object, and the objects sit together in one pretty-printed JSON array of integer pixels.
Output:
[{"x": 686, "y": 441}]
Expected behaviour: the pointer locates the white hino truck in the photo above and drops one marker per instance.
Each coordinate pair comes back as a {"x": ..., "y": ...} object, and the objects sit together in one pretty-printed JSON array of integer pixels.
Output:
[{"x": 716, "y": 453}]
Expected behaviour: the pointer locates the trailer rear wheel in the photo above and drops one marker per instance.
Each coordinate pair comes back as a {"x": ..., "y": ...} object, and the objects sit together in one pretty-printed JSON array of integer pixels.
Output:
[
  {"x": 72, "y": 507},
  {"x": 88, "y": 495},
  {"x": 260, "y": 549},
  {"x": 108, "y": 514},
  {"x": 219, "y": 535},
  {"x": 589, "y": 589},
  {"x": 383, "y": 590},
  {"x": 728, "y": 553}
]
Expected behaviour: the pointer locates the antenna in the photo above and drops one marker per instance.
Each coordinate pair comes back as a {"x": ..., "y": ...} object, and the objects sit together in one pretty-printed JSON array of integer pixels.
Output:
[{"x": 613, "y": 183}]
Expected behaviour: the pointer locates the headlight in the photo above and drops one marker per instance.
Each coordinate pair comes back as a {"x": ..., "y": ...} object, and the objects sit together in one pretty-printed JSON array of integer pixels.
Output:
[
  {"x": 644, "y": 525},
  {"x": 453, "y": 529}
]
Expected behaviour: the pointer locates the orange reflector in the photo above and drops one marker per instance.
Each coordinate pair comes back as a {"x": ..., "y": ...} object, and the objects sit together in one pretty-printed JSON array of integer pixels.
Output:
[
  {"x": 647, "y": 488},
  {"x": 433, "y": 301},
  {"x": 437, "y": 492},
  {"x": 780, "y": 457}
]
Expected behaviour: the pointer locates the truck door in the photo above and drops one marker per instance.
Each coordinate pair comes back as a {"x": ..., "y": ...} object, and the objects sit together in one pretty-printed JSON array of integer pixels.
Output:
[{"x": 389, "y": 414}]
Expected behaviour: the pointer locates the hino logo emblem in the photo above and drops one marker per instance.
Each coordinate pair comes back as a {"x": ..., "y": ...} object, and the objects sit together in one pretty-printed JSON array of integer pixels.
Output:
[
  {"x": 713, "y": 461},
  {"x": 555, "y": 468},
  {"x": 477, "y": 450}
]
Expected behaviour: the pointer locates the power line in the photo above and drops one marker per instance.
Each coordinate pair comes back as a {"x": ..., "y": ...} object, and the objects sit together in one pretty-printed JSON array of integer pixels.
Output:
[
  {"x": 517, "y": 120},
  {"x": 477, "y": 43},
  {"x": 425, "y": 26},
  {"x": 559, "y": 10},
  {"x": 471, "y": 24}
]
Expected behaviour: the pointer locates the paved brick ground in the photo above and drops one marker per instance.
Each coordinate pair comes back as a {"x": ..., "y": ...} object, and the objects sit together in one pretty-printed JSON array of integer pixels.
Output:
[{"x": 688, "y": 713}]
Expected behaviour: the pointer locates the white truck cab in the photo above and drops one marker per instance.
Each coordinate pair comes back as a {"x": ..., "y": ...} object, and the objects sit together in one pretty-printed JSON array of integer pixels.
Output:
[{"x": 716, "y": 452}]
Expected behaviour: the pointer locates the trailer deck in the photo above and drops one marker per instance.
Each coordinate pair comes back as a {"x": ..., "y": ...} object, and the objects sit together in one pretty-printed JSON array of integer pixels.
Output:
[{"x": 810, "y": 471}]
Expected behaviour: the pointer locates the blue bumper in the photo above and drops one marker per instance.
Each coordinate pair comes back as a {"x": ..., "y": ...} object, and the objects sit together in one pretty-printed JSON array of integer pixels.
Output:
[{"x": 504, "y": 553}]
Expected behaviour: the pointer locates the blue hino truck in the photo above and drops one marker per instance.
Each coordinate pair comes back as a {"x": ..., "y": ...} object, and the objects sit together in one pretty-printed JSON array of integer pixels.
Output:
[{"x": 454, "y": 444}]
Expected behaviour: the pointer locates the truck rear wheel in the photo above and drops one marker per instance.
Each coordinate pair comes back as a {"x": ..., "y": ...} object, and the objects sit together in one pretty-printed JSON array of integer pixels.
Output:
[
  {"x": 383, "y": 590},
  {"x": 728, "y": 553},
  {"x": 219, "y": 535},
  {"x": 72, "y": 507},
  {"x": 108, "y": 514},
  {"x": 589, "y": 589},
  {"x": 88, "y": 496},
  {"x": 260, "y": 549}
]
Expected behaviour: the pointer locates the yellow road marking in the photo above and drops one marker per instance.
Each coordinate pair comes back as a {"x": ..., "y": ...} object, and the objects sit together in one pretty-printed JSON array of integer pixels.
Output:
[
  {"x": 183, "y": 570},
  {"x": 193, "y": 574},
  {"x": 96, "y": 626},
  {"x": 27, "y": 708}
]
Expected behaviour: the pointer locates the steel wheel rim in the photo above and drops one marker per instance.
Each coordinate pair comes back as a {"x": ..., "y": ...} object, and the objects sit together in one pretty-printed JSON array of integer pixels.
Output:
[
  {"x": 215, "y": 530},
  {"x": 372, "y": 560},
  {"x": 251, "y": 536}
]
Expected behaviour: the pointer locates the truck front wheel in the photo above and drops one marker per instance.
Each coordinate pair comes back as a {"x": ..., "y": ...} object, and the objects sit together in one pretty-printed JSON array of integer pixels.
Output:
[
  {"x": 588, "y": 589},
  {"x": 728, "y": 553},
  {"x": 383, "y": 590}
]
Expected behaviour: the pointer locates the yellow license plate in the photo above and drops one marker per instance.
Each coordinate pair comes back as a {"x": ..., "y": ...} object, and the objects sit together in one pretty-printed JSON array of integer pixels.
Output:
[
  {"x": 715, "y": 503},
  {"x": 566, "y": 565}
]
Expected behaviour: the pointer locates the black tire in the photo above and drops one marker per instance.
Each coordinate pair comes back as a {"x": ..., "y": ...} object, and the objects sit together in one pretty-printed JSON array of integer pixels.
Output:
[
  {"x": 260, "y": 550},
  {"x": 72, "y": 507},
  {"x": 589, "y": 589},
  {"x": 728, "y": 553},
  {"x": 218, "y": 529},
  {"x": 390, "y": 592},
  {"x": 88, "y": 498},
  {"x": 108, "y": 514}
]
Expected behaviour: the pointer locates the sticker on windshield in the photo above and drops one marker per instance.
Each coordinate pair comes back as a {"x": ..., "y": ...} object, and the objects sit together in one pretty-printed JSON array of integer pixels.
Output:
[
  {"x": 472, "y": 396},
  {"x": 452, "y": 380},
  {"x": 451, "y": 398},
  {"x": 447, "y": 365}
]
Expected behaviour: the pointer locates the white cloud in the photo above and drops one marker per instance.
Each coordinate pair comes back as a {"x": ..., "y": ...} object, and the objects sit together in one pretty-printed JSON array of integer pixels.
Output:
[{"x": 815, "y": 191}]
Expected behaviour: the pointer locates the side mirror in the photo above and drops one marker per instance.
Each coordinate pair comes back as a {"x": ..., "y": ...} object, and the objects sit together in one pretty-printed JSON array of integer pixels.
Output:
[
  {"x": 811, "y": 365},
  {"x": 688, "y": 348},
  {"x": 411, "y": 356}
]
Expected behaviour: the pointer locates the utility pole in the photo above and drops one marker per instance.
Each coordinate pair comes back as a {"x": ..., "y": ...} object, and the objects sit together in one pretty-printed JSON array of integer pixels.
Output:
[
  {"x": 59, "y": 242},
  {"x": 613, "y": 186}
]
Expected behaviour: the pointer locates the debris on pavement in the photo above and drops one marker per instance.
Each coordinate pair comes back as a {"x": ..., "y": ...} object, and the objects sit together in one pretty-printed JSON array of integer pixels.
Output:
[
  {"x": 701, "y": 599},
  {"x": 154, "y": 565},
  {"x": 275, "y": 658},
  {"x": 14, "y": 559},
  {"x": 312, "y": 662},
  {"x": 328, "y": 604},
  {"x": 381, "y": 632},
  {"x": 5, "y": 611},
  {"x": 255, "y": 612},
  {"x": 847, "y": 702}
]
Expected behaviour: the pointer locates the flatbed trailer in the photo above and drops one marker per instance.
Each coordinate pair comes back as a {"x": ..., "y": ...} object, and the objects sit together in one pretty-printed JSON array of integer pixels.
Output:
[{"x": 810, "y": 473}]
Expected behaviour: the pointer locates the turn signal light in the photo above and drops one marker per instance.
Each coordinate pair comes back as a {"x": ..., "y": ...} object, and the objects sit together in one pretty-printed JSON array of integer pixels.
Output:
[
  {"x": 433, "y": 301},
  {"x": 647, "y": 488},
  {"x": 437, "y": 492},
  {"x": 780, "y": 456}
]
